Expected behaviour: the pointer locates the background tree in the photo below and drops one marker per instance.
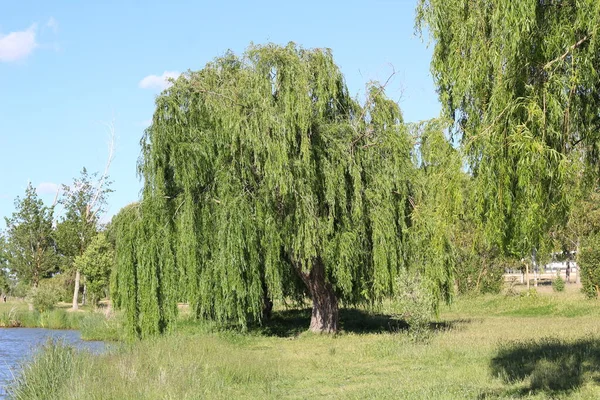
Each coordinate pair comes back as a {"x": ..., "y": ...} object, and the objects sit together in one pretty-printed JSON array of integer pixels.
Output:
[
  {"x": 4, "y": 278},
  {"x": 438, "y": 200},
  {"x": 262, "y": 175},
  {"x": 444, "y": 229},
  {"x": 95, "y": 264},
  {"x": 30, "y": 246},
  {"x": 520, "y": 81},
  {"x": 585, "y": 225},
  {"x": 83, "y": 201}
]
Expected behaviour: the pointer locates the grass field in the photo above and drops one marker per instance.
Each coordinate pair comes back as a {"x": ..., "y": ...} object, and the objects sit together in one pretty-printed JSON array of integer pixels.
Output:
[{"x": 541, "y": 346}]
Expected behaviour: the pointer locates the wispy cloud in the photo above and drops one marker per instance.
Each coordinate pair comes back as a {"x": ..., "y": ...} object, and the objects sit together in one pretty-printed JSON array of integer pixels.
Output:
[
  {"x": 52, "y": 23},
  {"x": 47, "y": 188},
  {"x": 18, "y": 45},
  {"x": 4, "y": 196},
  {"x": 158, "y": 82}
]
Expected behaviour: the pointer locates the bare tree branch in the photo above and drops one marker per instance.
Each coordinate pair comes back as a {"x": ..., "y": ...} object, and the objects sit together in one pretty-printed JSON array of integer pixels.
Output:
[{"x": 90, "y": 212}]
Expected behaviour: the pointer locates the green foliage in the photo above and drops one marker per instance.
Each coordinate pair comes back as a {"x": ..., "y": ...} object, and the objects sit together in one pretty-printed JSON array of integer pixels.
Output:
[
  {"x": 4, "y": 282},
  {"x": 438, "y": 206},
  {"x": 4, "y": 278},
  {"x": 558, "y": 284},
  {"x": 20, "y": 290},
  {"x": 45, "y": 296},
  {"x": 64, "y": 286},
  {"x": 520, "y": 82},
  {"x": 480, "y": 271},
  {"x": 256, "y": 169},
  {"x": 30, "y": 246},
  {"x": 95, "y": 263},
  {"x": 588, "y": 261},
  {"x": 415, "y": 304},
  {"x": 83, "y": 201}
]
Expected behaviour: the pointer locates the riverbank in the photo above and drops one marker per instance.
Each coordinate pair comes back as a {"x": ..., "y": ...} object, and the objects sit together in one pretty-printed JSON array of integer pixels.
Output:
[
  {"x": 538, "y": 346},
  {"x": 94, "y": 325}
]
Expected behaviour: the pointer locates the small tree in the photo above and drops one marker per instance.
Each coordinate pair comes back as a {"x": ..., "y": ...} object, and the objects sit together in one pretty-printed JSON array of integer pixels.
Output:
[
  {"x": 95, "y": 264},
  {"x": 30, "y": 247},
  {"x": 84, "y": 202},
  {"x": 45, "y": 296}
]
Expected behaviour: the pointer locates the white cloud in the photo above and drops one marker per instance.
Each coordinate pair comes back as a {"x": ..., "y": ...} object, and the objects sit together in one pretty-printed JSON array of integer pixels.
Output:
[
  {"x": 47, "y": 188},
  {"x": 158, "y": 82},
  {"x": 52, "y": 24},
  {"x": 17, "y": 45}
]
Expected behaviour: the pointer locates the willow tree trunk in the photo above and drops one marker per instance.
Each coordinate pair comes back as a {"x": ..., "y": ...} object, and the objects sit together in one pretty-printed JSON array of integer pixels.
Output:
[
  {"x": 76, "y": 291},
  {"x": 267, "y": 302},
  {"x": 325, "y": 313}
]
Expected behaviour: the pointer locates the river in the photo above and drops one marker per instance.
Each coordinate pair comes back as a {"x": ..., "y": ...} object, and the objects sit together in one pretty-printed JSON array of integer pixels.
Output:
[{"x": 17, "y": 344}]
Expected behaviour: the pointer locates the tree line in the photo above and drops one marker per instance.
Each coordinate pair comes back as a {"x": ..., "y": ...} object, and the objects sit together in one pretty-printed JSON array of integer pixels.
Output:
[{"x": 43, "y": 254}]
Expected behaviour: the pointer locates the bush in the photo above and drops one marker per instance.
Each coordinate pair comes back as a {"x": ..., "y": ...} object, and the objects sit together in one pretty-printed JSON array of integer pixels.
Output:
[
  {"x": 64, "y": 286},
  {"x": 415, "y": 304},
  {"x": 479, "y": 273},
  {"x": 558, "y": 284},
  {"x": 45, "y": 296},
  {"x": 588, "y": 260},
  {"x": 20, "y": 290}
]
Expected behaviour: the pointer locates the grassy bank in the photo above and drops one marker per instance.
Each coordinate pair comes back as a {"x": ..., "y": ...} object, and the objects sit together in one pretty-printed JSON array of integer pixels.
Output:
[
  {"x": 93, "y": 325},
  {"x": 544, "y": 346}
]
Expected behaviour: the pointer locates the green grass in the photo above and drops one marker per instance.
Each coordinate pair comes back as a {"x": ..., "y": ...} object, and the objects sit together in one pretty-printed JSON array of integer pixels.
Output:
[
  {"x": 490, "y": 347},
  {"x": 93, "y": 325}
]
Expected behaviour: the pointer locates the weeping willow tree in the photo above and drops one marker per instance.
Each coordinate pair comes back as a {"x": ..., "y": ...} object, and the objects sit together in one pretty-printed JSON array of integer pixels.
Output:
[
  {"x": 520, "y": 81},
  {"x": 438, "y": 203},
  {"x": 264, "y": 179}
]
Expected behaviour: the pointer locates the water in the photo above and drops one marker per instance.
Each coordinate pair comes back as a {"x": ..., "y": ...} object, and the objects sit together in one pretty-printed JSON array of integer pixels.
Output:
[{"x": 17, "y": 344}]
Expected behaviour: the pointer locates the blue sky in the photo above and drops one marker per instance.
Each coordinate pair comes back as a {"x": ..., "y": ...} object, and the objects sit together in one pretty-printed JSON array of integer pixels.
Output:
[{"x": 67, "y": 68}]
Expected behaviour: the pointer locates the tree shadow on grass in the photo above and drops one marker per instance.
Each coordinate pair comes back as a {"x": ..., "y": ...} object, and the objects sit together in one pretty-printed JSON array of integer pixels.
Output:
[
  {"x": 552, "y": 366},
  {"x": 289, "y": 323}
]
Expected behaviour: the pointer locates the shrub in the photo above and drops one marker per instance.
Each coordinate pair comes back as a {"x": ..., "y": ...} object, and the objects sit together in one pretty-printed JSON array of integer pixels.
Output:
[
  {"x": 558, "y": 284},
  {"x": 20, "y": 290},
  {"x": 479, "y": 272},
  {"x": 415, "y": 304},
  {"x": 44, "y": 297},
  {"x": 588, "y": 260}
]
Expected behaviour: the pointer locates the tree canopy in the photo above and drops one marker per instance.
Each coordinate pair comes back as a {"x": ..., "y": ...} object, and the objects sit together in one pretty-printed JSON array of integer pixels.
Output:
[
  {"x": 263, "y": 178},
  {"x": 520, "y": 81},
  {"x": 30, "y": 246},
  {"x": 95, "y": 264},
  {"x": 83, "y": 201}
]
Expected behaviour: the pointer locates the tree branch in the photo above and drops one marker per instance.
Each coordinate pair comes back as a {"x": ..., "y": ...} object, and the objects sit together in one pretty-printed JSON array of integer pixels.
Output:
[
  {"x": 566, "y": 53},
  {"x": 98, "y": 190},
  {"x": 366, "y": 107}
]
